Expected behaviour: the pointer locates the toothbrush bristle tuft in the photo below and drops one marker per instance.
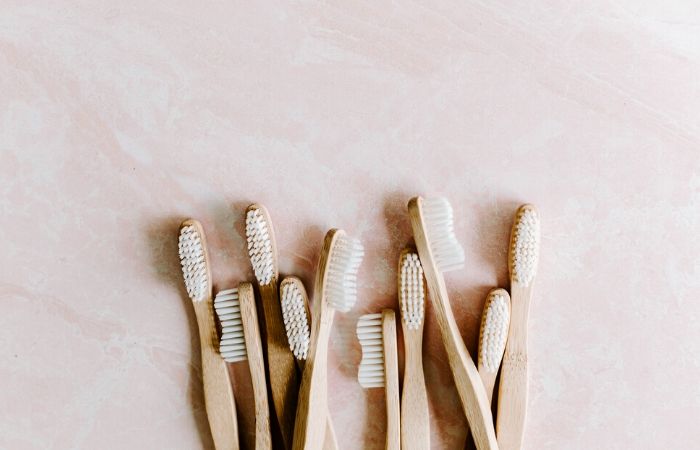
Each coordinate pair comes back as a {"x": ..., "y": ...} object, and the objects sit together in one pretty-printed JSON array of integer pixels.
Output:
[
  {"x": 412, "y": 291},
  {"x": 193, "y": 261},
  {"x": 344, "y": 261},
  {"x": 494, "y": 332},
  {"x": 257, "y": 232},
  {"x": 232, "y": 344},
  {"x": 369, "y": 333},
  {"x": 439, "y": 221},
  {"x": 525, "y": 246},
  {"x": 295, "y": 318}
]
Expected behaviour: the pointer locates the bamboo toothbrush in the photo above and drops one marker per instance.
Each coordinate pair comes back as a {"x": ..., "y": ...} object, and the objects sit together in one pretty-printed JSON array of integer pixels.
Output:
[
  {"x": 335, "y": 289},
  {"x": 522, "y": 265},
  {"x": 415, "y": 423},
  {"x": 492, "y": 339},
  {"x": 295, "y": 312},
  {"x": 218, "y": 394},
  {"x": 379, "y": 367},
  {"x": 240, "y": 341},
  {"x": 283, "y": 377},
  {"x": 439, "y": 250}
]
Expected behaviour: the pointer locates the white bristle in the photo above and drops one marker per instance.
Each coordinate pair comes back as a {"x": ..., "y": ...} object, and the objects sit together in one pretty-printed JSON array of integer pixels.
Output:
[
  {"x": 438, "y": 217},
  {"x": 494, "y": 332},
  {"x": 295, "y": 320},
  {"x": 341, "y": 281},
  {"x": 194, "y": 265},
  {"x": 369, "y": 332},
  {"x": 257, "y": 233},
  {"x": 412, "y": 291},
  {"x": 526, "y": 243},
  {"x": 232, "y": 344}
]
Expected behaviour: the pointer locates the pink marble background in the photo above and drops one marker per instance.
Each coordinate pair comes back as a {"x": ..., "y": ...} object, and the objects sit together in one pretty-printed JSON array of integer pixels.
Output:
[{"x": 119, "y": 119}]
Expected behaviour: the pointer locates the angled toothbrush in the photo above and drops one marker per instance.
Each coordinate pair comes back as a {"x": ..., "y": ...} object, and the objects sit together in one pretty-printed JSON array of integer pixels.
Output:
[
  {"x": 379, "y": 366},
  {"x": 439, "y": 251},
  {"x": 415, "y": 421},
  {"x": 283, "y": 377},
  {"x": 240, "y": 341},
  {"x": 218, "y": 394},
  {"x": 295, "y": 312},
  {"x": 335, "y": 289},
  {"x": 492, "y": 339},
  {"x": 523, "y": 256}
]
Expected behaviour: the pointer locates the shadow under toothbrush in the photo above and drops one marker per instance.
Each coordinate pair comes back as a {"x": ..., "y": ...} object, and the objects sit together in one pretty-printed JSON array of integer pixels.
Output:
[{"x": 162, "y": 236}]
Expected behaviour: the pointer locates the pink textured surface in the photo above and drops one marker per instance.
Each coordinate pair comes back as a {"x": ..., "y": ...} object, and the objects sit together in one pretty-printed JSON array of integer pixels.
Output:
[{"x": 119, "y": 119}]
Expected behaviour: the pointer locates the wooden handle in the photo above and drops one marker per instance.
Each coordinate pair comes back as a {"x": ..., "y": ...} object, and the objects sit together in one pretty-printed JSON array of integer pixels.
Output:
[
  {"x": 391, "y": 381},
  {"x": 330, "y": 440},
  {"x": 467, "y": 381},
  {"x": 284, "y": 381},
  {"x": 253, "y": 344},
  {"x": 218, "y": 394},
  {"x": 512, "y": 391},
  {"x": 415, "y": 422}
]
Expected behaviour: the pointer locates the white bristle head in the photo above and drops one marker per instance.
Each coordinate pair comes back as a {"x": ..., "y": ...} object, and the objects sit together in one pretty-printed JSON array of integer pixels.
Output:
[
  {"x": 439, "y": 224},
  {"x": 494, "y": 331},
  {"x": 412, "y": 291},
  {"x": 296, "y": 322},
  {"x": 258, "y": 235},
  {"x": 194, "y": 263},
  {"x": 525, "y": 246},
  {"x": 341, "y": 282},
  {"x": 369, "y": 332},
  {"x": 228, "y": 310}
]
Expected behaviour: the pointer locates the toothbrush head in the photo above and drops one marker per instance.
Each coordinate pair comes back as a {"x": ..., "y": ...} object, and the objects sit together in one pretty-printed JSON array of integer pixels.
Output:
[
  {"x": 232, "y": 344},
  {"x": 369, "y": 333},
  {"x": 494, "y": 330},
  {"x": 261, "y": 244},
  {"x": 295, "y": 315},
  {"x": 411, "y": 290},
  {"x": 524, "y": 246},
  {"x": 344, "y": 258},
  {"x": 439, "y": 229},
  {"x": 194, "y": 260}
]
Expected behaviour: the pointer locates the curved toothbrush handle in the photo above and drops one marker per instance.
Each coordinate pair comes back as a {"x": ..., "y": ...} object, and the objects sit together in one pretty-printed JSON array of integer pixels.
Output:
[
  {"x": 218, "y": 394},
  {"x": 415, "y": 423}
]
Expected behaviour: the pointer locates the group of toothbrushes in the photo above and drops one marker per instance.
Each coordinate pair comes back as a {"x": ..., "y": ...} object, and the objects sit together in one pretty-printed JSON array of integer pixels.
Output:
[{"x": 290, "y": 365}]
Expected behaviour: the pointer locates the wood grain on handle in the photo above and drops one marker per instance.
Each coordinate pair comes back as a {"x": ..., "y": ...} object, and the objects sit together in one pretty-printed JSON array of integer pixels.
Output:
[
  {"x": 330, "y": 440},
  {"x": 218, "y": 393},
  {"x": 415, "y": 421},
  {"x": 312, "y": 410},
  {"x": 391, "y": 381},
  {"x": 284, "y": 381},
  {"x": 253, "y": 344},
  {"x": 512, "y": 391},
  {"x": 467, "y": 381}
]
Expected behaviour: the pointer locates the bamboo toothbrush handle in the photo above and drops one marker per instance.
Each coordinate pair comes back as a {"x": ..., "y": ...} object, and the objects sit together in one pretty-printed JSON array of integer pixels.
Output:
[
  {"x": 415, "y": 424},
  {"x": 284, "y": 382},
  {"x": 330, "y": 441},
  {"x": 218, "y": 393},
  {"x": 249, "y": 317},
  {"x": 512, "y": 391},
  {"x": 312, "y": 410},
  {"x": 391, "y": 385}
]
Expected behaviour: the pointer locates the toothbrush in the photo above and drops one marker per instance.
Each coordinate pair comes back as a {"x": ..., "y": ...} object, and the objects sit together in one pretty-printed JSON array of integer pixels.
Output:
[
  {"x": 492, "y": 339},
  {"x": 284, "y": 380},
  {"x": 240, "y": 341},
  {"x": 439, "y": 251},
  {"x": 415, "y": 424},
  {"x": 218, "y": 394},
  {"x": 379, "y": 366},
  {"x": 295, "y": 312},
  {"x": 335, "y": 289},
  {"x": 522, "y": 265}
]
